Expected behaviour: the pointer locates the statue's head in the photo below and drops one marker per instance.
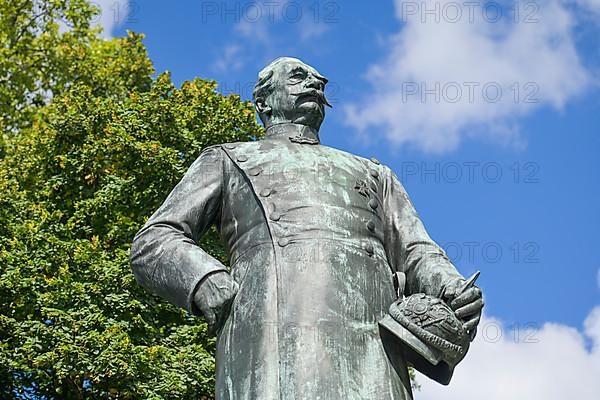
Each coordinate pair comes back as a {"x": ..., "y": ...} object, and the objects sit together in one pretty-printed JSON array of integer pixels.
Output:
[{"x": 289, "y": 90}]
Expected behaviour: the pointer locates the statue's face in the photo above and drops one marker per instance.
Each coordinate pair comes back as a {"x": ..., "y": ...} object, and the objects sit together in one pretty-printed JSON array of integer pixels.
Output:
[{"x": 297, "y": 95}]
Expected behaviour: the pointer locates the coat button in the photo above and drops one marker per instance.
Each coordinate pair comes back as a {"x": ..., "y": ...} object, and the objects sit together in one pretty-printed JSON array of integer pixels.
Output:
[
  {"x": 371, "y": 226},
  {"x": 266, "y": 192},
  {"x": 375, "y": 161},
  {"x": 229, "y": 146},
  {"x": 373, "y": 204},
  {"x": 275, "y": 216},
  {"x": 282, "y": 242},
  {"x": 374, "y": 173},
  {"x": 369, "y": 249},
  {"x": 242, "y": 158},
  {"x": 255, "y": 171}
]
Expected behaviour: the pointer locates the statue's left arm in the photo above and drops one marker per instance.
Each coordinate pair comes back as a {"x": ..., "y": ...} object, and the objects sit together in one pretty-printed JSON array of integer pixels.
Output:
[{"x": 421, "y": 261}]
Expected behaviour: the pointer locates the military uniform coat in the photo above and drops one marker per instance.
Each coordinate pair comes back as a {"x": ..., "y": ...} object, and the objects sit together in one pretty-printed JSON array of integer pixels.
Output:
[{"x": 314, "y": 236}]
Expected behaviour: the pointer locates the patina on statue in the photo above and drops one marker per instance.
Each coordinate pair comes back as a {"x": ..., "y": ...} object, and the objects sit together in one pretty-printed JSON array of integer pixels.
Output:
[{"x": 321, "y": 243}]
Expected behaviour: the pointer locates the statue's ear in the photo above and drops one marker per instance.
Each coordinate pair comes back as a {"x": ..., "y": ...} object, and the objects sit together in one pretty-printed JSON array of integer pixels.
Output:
[{"x": 262, "y": 108}]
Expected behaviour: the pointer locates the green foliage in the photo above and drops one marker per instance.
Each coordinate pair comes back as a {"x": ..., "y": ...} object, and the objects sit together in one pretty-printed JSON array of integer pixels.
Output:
[
  {"x": 47, "y": 46},
  {"x": 79, "y": 176}
]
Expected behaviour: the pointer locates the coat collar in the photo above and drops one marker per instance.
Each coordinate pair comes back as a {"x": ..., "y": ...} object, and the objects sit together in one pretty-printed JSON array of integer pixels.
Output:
[{"x": 296, "y": 133}]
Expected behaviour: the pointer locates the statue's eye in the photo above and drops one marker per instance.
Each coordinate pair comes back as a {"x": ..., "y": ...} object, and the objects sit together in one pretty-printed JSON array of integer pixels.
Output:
[{"x": 297, "y": 77}]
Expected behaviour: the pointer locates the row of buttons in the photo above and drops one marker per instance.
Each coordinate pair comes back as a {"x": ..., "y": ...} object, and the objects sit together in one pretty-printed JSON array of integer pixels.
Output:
[
  {"x": 373, "y": 205},
  {"x": 274, "y": 215}
]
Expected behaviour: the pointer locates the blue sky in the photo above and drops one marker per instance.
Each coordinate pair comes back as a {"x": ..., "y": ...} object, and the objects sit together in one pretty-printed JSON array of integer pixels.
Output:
[{"x": 508, "y": 182}]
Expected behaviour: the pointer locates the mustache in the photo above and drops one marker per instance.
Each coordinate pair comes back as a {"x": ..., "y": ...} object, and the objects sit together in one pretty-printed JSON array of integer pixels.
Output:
[{"x": 318, "y": 94}]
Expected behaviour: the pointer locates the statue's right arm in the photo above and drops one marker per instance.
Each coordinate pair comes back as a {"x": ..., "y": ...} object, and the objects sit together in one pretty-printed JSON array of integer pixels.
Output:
[{"x": 165, "y": 257}]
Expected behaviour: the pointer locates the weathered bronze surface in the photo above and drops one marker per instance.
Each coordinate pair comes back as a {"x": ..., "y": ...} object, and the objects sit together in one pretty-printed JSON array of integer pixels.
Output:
[{"x": 321, "y": 243}]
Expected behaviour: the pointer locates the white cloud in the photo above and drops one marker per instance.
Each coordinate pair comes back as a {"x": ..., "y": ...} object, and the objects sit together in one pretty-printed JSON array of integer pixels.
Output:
[
  {"x": 592, "y": 5},
  {"x": 231, "y": 59},
  {"x": 255, "y": 32},
  {"x": 307, "y": 21},
  {"x": 563, "y": 364},
  {"x": 309, "y": 29},
  {"x": 534, "y": 64}
]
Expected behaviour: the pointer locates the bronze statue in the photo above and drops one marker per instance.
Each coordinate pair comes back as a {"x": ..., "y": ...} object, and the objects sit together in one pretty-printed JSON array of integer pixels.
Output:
[{"x": 321, "y": 243}]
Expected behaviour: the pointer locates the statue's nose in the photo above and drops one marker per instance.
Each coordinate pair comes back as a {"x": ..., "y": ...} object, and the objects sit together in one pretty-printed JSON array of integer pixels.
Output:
[{"x": 315, "y": 84}]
